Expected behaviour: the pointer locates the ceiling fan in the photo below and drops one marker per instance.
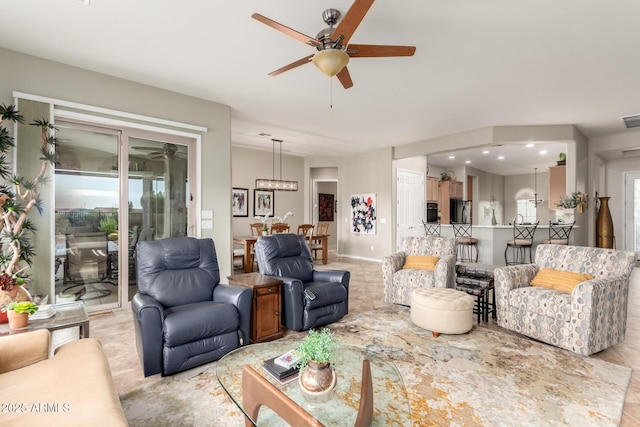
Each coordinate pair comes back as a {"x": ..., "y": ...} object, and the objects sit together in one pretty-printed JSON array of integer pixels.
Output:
[
  {"x": 333, "y": 45},
  {"x": 169, "y": 151}
]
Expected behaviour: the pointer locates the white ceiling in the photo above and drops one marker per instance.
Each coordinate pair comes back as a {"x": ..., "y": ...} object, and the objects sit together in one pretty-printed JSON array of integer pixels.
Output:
[{"x": 478, "y": 63}]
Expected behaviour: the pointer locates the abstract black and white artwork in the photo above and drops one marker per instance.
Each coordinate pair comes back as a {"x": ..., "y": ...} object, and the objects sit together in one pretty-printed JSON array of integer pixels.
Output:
[{"x": 363, "y": 213}]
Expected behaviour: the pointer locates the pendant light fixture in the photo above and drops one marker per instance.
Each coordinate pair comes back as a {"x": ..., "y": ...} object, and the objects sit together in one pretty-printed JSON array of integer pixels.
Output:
[
  {"x": 276, "y": 184},
  {"x": 535, "y": 200}
]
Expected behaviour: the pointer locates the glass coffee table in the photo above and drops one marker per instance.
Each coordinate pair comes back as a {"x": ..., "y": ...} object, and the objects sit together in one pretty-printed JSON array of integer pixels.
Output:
[
  {"x": 340, "y": 406},
  {"x": 68, "y": 315}
]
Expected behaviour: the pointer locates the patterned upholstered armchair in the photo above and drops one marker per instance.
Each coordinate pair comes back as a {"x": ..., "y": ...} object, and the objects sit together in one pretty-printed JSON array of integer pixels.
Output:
[
  {"x": 592, "y": 317},
  {"x": 400, "y": 282}
]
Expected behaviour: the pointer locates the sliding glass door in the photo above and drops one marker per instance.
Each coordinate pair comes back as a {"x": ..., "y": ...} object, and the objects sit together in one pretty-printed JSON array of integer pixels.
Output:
[
  {"x": 158, "y": 194},
  {"x": 113, "y": 188},
  {"x": 86, "y": 195}
]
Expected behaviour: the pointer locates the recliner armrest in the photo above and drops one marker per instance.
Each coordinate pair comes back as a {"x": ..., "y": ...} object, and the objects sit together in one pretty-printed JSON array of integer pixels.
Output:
[
  {"x": 292, "y": 302},
  {"x": 148, "y": 321},
  {"x": 242, "y": 298},
  {"x": 340, "y": 276}
]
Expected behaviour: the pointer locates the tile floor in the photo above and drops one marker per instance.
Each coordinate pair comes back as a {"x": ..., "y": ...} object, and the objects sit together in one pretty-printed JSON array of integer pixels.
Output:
[{"x": 115, "y": 331}]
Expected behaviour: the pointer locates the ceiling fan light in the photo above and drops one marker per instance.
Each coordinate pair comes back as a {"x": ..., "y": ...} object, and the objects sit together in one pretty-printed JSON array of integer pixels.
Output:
[{"x": 331, "y": 61}]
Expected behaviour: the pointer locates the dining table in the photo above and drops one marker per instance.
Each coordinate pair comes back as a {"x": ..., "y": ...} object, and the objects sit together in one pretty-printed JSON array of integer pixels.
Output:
[{"x": 247, "y": 243}]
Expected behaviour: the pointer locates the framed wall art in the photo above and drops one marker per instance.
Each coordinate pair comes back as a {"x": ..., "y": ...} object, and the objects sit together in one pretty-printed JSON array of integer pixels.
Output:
[
  {"x": 363, "y": 213},
  {"x": 325, "y": 207},
  {"x": 240, "y": 201},
  {"x": 263, "y": 203}
]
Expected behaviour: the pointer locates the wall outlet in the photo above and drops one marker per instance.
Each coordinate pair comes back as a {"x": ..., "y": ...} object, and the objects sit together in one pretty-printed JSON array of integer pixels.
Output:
[{"x": 371, "y": 248}]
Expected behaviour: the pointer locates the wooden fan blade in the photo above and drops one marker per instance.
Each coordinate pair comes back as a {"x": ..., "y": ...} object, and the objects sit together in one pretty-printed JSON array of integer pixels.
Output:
[
  {"x": 295, "y": 64},
  {"x": 373, "y": 50},
  {"x": 345, "y": 78},
  {"x": 286, "y": 30},
  {"x": 349, "y": 23}
]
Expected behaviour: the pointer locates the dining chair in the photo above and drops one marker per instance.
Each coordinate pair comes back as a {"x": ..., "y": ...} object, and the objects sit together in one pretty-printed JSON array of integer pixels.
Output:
[
  {"x": 307, "y": 231},
  {"x": 320, "y": 229},
  {"x": 280, "y": 227},
  {"x": 521, "y": 243},
  {"x": 559, "y": 233},
  {"x": 256, "y": 228}
]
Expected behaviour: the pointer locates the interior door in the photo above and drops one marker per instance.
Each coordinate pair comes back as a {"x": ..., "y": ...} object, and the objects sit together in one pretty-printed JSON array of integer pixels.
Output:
[{"x": 411, "y": 209}]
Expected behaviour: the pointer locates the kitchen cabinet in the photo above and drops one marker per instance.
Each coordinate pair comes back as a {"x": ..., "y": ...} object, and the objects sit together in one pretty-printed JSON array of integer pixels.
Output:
[
  {"x": 432, "y": 189},
  {"x": 455, "y": 190},
  {"x": 557, "y": 185}
]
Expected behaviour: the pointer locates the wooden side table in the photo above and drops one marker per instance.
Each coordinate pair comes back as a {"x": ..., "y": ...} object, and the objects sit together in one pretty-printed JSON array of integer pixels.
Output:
[{"x": 266, "y": 310}]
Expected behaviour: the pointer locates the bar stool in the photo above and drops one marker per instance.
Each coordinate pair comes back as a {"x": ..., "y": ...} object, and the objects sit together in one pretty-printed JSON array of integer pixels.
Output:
[
  {"x": 467, "y": 245},
  {"x": 521, "y": 243},
  {"x": 431, "y": 228},
  {"x": 559, "y": 233}
]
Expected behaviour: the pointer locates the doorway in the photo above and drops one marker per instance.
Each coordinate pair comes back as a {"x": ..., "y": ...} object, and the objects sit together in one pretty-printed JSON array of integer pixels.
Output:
[{"x": 115, "y": 186}]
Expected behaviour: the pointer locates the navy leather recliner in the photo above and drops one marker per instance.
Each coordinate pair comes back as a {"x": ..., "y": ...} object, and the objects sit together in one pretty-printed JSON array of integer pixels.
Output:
[
  {"x": 310, "y": 298},
  {"x": 182, "y": 316}
]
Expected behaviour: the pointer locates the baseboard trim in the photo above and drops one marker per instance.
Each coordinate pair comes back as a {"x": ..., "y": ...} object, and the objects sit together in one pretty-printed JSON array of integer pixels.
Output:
[{"x": 378, "y": 260}]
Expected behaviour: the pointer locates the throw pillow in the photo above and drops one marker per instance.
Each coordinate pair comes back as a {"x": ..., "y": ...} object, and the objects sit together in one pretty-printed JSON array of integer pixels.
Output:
[
  {"x": 421, "y": 262},
  {"x": 563, "y": 281}
]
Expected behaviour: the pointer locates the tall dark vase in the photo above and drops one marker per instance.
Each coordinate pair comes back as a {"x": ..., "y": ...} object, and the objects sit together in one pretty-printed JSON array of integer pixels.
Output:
[{"x": 604, "y": 225}]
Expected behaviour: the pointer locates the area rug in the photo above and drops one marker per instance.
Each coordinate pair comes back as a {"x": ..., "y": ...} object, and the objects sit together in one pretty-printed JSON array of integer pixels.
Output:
[{"x": 485, "y": 378}]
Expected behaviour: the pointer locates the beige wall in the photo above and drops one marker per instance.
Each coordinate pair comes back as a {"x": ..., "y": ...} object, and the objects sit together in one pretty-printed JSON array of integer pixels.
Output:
[
  {"x": 247, "y": 165},
  {"x": 367, "y": 173},
  {"x": 36, "y": 76}
]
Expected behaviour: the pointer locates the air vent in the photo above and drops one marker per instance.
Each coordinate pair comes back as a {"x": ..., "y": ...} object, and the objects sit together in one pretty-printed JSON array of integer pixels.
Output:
[
  {"x": 631, "y": 121},
  {"x": 631, "y": 152}
]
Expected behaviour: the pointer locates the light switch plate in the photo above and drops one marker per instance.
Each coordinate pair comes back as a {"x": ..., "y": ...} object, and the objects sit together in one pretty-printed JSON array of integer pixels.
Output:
[
  {"x": 207, "y": 214},
  {"x": 207, "y": 225}
]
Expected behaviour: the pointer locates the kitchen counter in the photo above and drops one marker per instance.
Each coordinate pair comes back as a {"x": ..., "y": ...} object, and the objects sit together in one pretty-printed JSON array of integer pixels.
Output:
[{"x": 492, "y": 240}]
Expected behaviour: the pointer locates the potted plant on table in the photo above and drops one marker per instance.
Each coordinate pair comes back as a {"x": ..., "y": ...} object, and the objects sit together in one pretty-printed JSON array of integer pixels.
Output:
[
  {"x": 316, "y": 353},
  {"x": 18, "y": 313}
]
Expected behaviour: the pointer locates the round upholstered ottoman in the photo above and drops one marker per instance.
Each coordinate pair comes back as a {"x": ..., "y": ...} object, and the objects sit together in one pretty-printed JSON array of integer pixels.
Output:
[{"x": 442, "y": 310}]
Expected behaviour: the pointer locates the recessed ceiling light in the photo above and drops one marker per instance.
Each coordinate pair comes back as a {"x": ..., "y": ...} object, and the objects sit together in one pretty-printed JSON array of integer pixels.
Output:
[
  {"x": 84, "y": 2},
  {"x": 467, "y": 161},
  {"x": 543, "y": 152},
  {"x": 500, "y": 157},
  {"x": 485, "y": 152},
  {"x": 452, "y": 157},
  {"x": 529, "y": 145},
  {"x": 264, "y": 135}
]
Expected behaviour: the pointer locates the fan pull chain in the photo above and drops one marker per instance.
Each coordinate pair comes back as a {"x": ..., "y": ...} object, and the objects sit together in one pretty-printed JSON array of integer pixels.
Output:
[{"x": 330, "y": 92}]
